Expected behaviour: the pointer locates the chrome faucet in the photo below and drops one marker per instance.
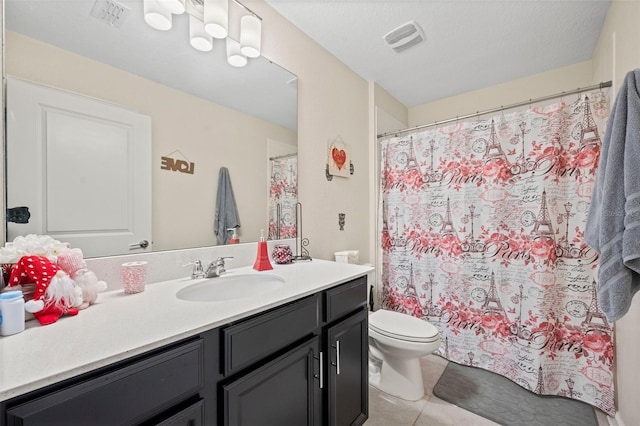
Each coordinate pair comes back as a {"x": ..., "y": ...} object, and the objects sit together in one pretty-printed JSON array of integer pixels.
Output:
[
  {"x": 216, "y": 268},
  {"x": 197, "y": 272}
]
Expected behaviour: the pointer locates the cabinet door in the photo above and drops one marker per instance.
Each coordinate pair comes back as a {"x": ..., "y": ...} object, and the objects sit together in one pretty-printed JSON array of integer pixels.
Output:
[
  {"x": 348, "y": 380},
  {"x": 285, "y": 391}
]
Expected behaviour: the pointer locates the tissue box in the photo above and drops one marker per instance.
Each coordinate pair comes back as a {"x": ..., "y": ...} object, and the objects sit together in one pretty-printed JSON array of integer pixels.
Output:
[{"x": 347, "y": 256}]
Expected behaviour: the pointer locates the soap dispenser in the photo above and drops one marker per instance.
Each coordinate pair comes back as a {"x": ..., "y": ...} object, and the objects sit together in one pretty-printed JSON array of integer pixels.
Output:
[
  {"x": 262, "y": 258},
  {"x": 234, "y": 238}
]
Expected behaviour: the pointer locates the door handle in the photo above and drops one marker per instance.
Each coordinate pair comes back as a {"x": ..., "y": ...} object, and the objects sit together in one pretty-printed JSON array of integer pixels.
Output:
[
  {"x": 142, "y": 244},
  {"x": 337, "y": 364},
  {"x": 321, "y": 374}
]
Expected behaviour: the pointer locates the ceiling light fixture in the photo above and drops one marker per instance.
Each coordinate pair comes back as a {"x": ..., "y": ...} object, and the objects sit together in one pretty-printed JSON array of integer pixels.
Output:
[
  {"x": 174, "y": 6},
  {"x": 216, "y": 18},
  {"x": 234, "y": 54},
  {"x": 210, "y": 19},
  {"x": 250, "y": 35},
  {"x": 157, "y": 16},
  {"x": 198, "y": 37}
]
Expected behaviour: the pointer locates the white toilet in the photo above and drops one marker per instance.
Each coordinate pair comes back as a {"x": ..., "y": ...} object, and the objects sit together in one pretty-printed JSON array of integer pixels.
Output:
[{"x": 396, "y": 344}]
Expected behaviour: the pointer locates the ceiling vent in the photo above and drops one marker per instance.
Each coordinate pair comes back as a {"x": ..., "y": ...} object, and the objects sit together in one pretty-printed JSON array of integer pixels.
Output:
[
  {"x": 404, "y": 37},
  {"x": 110, "y": 12}
]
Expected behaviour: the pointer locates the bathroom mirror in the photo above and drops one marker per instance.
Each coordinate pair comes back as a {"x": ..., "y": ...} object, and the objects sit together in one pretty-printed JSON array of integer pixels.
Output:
[{"x": 204, "y": 113}]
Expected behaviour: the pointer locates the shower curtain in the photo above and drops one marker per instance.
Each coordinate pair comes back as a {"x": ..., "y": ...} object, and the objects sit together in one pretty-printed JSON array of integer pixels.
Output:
[
  {"x": 283, "y": 196},
  {"x": 482, "y": 234}
]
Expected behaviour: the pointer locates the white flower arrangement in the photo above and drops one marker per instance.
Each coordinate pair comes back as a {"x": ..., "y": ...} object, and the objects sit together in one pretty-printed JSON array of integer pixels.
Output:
[{"x": 32, "y": 244}]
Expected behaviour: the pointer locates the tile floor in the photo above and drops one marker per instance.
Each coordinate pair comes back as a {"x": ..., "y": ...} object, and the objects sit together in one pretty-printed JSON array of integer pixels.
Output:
[{"x": 385, "y": 410}]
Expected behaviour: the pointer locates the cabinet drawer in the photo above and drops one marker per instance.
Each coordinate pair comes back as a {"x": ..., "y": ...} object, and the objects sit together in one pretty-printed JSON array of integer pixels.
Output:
[
  {"x": 254, "y": 339},
  {"x": 345, "y": 298},
  {"x": 193, "y": 415},
  {"x": 128, "y": 395}
]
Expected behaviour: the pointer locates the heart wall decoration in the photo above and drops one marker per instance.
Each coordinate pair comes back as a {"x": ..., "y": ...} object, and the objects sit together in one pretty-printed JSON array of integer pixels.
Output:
[{"x": 338, "y": 158}]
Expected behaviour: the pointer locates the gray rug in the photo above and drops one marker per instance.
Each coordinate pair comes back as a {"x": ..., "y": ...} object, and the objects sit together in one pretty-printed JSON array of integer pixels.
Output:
[{"x": 499, "y": 399}]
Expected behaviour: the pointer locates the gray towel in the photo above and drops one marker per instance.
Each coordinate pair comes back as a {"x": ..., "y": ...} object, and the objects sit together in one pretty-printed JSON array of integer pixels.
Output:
[
  {"x": 226, "y": 209},
  {"x": 613, "y": 225}
]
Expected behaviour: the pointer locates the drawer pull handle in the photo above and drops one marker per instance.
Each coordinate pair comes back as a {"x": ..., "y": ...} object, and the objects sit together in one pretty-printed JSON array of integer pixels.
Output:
[
  {"x": 321, "y": 374},
  {"x": 321, "y": 371}
]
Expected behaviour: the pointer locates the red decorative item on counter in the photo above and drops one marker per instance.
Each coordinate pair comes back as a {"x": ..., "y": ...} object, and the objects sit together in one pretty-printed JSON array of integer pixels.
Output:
[
  {"x": 282, "y": 254},
  {"x": 262, "y": 259},
  {"x": 56, "y": 293}
]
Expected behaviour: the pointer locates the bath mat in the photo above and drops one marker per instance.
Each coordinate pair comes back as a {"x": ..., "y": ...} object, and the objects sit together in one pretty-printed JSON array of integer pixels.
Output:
[{"x": 499, "y": 399}]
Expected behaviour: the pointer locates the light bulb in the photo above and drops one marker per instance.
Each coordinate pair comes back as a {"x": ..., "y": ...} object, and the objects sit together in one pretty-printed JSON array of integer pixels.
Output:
[
  {"x": 216, "y": 18},
  {"x": 174, "y": 6},
  {"x": 250, "y": 35},
  {"x": 198, "y": 37},
  {"x": 157, "y": 16},
  {"x": 234, "y": 55}
]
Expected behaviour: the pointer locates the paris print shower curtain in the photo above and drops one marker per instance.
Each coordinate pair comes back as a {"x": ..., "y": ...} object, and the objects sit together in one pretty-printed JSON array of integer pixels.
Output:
[
  {"x": 482, "y": 234},
  {"x": 283, "y": 196}
]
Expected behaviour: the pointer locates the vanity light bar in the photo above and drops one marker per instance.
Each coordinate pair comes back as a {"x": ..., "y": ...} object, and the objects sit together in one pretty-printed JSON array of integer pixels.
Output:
[{"x": 209, "y": 19}]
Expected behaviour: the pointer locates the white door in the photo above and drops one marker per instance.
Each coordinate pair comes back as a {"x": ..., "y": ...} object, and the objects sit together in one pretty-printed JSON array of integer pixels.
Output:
[{"x": 82, "y": 166}]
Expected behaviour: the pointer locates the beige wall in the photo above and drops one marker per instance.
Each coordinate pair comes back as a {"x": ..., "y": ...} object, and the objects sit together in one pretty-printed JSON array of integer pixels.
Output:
[
  {"x": 391, "y": 111},
  {"x": 209, "y": 135},
  {"x": 617, "y": 53},
  {"x": 535, "y": 86}
]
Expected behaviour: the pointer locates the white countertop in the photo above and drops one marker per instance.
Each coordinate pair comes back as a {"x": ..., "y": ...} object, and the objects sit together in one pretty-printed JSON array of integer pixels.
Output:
[{"x": 121, "y": 325}]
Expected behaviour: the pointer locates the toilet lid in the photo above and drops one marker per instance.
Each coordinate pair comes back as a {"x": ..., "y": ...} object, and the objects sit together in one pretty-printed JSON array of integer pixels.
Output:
[{"x": 402, "y": 326}]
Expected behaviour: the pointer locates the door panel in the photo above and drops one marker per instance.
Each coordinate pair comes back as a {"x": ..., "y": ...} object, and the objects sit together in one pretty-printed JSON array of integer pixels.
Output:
[
  {"x": 281, "y": 393},
  {"x": 348, "y": 371},
  {"x": 88, "y": 179}
]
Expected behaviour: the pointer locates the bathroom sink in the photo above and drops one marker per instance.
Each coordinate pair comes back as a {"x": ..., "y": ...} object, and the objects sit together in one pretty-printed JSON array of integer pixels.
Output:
[{"x": 230, "y": 287}]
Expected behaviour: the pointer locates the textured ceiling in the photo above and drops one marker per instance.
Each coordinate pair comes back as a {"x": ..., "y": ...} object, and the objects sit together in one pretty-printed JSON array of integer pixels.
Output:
[{"x": 469, "y": 44}]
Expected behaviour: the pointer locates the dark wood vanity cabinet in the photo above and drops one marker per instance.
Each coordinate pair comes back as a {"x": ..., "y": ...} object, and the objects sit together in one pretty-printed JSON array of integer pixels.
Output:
[
  {"x": 318, "y": 375},
  {"x": 161, "y": 387},
  {"x": 301, "y": 363}
]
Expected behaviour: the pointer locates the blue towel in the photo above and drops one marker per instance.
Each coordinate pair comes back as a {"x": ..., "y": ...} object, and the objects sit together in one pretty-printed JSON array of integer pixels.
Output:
[
  {"x": 613, "y": 224},
  {"x": 226, "y": 209}
]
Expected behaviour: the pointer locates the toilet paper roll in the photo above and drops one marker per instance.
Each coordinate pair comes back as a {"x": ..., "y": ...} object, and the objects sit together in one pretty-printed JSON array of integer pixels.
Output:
[{"x": 347, "y": 256}]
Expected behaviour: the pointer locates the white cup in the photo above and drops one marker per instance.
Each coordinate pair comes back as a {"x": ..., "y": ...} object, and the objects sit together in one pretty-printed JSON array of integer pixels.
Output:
[{"x": 134, "y": 276}]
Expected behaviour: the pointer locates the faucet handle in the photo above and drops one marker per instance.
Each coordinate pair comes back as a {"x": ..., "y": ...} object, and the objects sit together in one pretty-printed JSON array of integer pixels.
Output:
[
  {"x": 198, "y": 271},
  {"x": 220, "y": 260}
]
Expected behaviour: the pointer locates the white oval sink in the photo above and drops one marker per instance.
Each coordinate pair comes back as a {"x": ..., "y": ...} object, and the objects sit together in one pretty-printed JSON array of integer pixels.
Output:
[{"x": 230, "y": 287}]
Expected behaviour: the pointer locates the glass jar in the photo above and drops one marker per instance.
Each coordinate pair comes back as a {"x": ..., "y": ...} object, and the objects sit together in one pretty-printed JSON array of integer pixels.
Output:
[{"x": 282, "y": 254}]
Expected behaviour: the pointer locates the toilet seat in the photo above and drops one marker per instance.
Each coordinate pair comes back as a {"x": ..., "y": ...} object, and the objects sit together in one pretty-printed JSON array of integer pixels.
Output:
[{"x": 402, "y": 327}]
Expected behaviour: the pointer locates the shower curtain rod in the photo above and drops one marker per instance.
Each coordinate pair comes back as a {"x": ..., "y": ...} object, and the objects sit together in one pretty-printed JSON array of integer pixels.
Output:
[
  {"x": 501, "y": 108},
  {"x": 293, "y": 154}
]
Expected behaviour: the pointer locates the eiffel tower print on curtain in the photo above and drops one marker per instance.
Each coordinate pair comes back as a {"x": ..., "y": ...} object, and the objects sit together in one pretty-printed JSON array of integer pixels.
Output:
[
  {"x": 447, "y": 225},
  {"x": 493, "y": 150},
  {"x": 492, "y": 303},
  {"x": 595, "y": 320},
  {"x": 412, "y": 163},
  {"x": 543, "y": 228},
  {"x": 589, "y": 132}
]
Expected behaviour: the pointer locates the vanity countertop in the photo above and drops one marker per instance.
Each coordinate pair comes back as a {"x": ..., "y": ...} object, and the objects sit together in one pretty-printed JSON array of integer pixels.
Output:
[{"x": 120, "y": 325}]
